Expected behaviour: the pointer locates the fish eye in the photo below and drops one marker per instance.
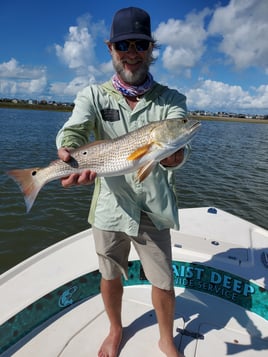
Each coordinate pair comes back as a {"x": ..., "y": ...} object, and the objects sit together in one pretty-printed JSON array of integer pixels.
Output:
[
  {"x": 184, "y": 120},
  {"x": 84, "y": 152}
]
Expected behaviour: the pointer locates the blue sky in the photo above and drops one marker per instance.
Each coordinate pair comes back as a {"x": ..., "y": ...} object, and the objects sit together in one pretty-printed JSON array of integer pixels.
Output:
[{"x": 215, "y": 52}]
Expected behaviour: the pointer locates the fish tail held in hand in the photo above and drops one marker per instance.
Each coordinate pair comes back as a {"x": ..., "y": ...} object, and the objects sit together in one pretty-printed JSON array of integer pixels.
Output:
[{"x": 29, "y": 184}]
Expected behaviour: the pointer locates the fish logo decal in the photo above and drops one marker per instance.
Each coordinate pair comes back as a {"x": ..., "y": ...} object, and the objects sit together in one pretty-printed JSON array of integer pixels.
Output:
[{"x": 66, "y": 297}]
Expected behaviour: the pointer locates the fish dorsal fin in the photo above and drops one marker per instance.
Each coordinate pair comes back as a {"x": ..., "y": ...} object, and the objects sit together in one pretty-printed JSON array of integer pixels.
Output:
[
  {"x": 90, "y": 144},
  {"x": 145, "y": 170},
  {"x": 138, "y": 153}
]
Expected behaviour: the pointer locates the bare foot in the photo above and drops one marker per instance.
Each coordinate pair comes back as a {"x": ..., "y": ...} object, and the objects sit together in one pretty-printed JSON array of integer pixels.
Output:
[
  {"x": 110, "y": 345},
  {"x": 169, "y": 349}
]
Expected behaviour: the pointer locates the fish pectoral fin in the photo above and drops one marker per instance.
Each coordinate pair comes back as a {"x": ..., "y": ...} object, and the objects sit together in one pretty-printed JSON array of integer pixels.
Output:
[
  {"x": 145, "y": 170},
  {"x": 138, "y": 153}
]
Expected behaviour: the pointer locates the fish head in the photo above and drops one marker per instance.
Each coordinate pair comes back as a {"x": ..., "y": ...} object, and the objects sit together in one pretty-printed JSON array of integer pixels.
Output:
[{"x": 175, "y": 133}]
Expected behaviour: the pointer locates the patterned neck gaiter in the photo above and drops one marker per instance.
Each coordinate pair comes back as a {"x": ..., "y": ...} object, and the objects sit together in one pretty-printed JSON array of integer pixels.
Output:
[{"x": 132, "y": 91}]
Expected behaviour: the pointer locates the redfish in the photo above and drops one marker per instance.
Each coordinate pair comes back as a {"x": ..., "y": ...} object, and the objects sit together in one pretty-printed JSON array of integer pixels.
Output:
[{"x": 140, "y": 150}]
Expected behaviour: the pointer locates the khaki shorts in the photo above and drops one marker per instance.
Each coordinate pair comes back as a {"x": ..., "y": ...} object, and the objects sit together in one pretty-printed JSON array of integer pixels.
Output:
[{"x": 153, "y": 247}]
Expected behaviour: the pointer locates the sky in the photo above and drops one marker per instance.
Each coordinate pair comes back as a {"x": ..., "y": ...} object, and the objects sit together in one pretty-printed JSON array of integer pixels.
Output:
[{"x": 214, "y": 52}]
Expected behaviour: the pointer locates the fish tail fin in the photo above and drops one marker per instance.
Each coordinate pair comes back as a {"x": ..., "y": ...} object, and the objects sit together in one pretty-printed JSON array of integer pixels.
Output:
[{"x": 29, "y": 184}]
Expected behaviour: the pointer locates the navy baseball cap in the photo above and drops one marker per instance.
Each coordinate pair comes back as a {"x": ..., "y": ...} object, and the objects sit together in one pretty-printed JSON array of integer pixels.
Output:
[{"x": 131, "y": 23}]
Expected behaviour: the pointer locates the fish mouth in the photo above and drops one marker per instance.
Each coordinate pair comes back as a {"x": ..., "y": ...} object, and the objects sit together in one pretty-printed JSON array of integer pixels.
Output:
[
  {"x": 195, "y": 124},
  {"x": 192, "y": 128}
]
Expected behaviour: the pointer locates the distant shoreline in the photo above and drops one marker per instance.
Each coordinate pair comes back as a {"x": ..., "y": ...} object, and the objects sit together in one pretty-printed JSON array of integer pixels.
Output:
[
  {"x": 57, "y": 108},
  {"x": 69, "y": 108},
  {"x": 229, "y": 119}
]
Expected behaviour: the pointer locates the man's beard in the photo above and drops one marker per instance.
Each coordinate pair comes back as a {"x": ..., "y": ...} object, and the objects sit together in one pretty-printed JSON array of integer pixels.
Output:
[{"x": 133, "y": 78}]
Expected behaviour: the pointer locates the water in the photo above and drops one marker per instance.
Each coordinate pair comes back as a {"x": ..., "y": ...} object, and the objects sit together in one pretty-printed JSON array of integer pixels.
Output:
[{"x": 228, "y": 169}]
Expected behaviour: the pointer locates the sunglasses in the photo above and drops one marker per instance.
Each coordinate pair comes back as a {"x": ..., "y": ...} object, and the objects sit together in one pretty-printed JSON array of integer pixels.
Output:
[{"x": 140, "y": 45}]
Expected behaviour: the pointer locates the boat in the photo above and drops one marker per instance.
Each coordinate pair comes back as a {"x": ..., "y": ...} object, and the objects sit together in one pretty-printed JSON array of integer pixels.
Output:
[{"x": 51, "y": 304}]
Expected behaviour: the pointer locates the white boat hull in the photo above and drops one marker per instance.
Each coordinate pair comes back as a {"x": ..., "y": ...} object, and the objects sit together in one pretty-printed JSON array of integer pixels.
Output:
[{"x": 51, "y": 306}]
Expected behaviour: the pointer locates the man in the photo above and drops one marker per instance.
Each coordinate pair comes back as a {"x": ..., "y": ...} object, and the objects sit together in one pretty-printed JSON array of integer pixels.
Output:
[{"x": 122, "y": 210}]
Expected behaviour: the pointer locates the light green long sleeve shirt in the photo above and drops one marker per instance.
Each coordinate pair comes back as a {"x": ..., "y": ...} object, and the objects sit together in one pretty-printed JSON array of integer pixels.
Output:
[{"x": 118, "y": 201}]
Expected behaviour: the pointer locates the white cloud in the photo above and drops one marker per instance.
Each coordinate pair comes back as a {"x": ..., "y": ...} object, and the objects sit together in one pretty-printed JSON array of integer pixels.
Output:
[
  {"x": 79, "y": 53},
  {"x": 33, "y": 85},
  {"x": 92, "y": 76},
  {"x": 243, "y": 27},
  {"x": 78, "y": 50},
  {"x": 240, "y": 28},
  {"x": 179, "y": 58},
  {"x": 16, "y": 79},
  {"x": 261, "y": 98},
  {"x": 23, "y": 88},
  {"x": 221, "y": 96},
  {"x": 107, "y": 68},
  {"x": 13, "y": 69},
  {"x": 184, "y": 41},
  {"x": 63, "y": 89}
]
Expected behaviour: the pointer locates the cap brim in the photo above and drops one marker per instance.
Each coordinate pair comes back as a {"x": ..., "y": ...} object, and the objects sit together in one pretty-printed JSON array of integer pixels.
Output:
[{"x": 132, "y": 36}]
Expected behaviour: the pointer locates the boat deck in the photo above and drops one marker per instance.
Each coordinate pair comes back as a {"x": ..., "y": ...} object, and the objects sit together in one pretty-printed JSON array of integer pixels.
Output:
[
  {"x": 202, "y": 325},
  {"x": 220, "y": 279}
]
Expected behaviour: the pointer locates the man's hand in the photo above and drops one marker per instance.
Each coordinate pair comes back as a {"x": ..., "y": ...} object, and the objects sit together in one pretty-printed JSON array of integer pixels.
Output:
[
  {"x": 86, "y": 177},
  {"x": 173, "y": 160}
]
